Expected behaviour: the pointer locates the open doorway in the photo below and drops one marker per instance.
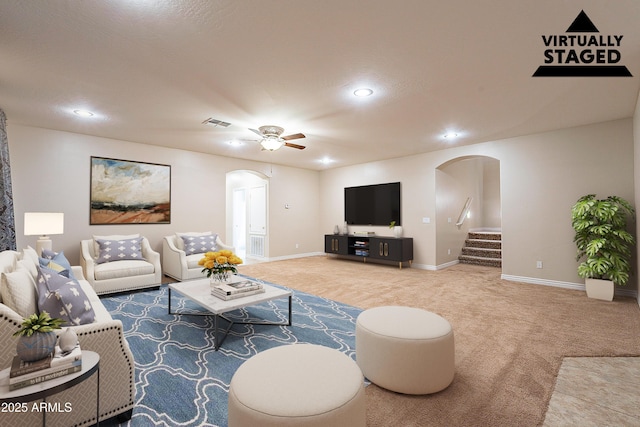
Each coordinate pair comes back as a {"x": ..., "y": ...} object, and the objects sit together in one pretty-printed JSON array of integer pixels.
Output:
[
  {"x": 247, "y": 192},
  {"x": 468, "y": 201}
]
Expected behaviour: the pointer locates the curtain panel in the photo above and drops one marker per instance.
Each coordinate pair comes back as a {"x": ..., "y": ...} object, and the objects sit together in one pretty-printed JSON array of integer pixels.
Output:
[{"x": 7, "y": 220}]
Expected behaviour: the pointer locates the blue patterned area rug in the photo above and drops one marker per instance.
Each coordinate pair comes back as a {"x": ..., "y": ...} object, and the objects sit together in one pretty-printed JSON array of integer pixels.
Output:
[{"x": 181, "y": 380}]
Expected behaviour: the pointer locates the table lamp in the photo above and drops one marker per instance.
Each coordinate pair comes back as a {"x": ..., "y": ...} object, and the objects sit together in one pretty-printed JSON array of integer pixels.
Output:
[{"x": 43, "y": 224}]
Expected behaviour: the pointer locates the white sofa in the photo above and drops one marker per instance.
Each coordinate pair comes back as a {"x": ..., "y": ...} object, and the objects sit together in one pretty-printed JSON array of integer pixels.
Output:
[
  {"x": 120, "y": 276},
  {"x": 180, "y": 265},
  {"x": 104, "y": 336}
]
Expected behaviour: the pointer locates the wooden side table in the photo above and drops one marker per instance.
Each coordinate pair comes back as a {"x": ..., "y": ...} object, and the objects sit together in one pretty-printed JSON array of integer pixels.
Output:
[{"x": 90, "y": 366}]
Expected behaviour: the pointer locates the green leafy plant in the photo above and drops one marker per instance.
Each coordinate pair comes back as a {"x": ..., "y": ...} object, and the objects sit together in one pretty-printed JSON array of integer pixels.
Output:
[
  {"x": 602, "y": 239},
  {"x": 38, "y": 324}
]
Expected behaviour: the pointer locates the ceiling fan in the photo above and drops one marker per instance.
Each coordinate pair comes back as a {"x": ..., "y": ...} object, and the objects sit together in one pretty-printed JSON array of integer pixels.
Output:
[{"x": 272, "y": 141}]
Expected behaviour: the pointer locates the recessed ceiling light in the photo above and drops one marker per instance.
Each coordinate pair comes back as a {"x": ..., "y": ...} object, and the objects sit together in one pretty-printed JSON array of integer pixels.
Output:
[
  {"x": 363, "y": 92},
  {"x": 450, "y": 135},
  {"x": 83, "y": 113},
  {"x": 326, "y": 160},
  {"x": 235, "y": 143}
]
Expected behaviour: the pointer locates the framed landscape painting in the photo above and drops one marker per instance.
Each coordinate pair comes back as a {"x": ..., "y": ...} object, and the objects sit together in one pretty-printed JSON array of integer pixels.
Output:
[{"x": 128, "y": 192}]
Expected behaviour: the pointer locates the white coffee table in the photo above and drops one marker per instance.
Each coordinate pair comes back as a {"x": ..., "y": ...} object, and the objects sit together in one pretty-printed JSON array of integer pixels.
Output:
[{"x": 199, "y": 291}]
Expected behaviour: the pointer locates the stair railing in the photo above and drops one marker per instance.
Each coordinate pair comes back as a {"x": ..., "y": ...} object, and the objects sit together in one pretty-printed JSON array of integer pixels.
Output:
[{"x": 465, "y": 212}]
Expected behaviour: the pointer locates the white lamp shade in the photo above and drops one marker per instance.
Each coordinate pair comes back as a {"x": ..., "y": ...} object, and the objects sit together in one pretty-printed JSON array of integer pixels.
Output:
[{"x": 43, "y": 223}]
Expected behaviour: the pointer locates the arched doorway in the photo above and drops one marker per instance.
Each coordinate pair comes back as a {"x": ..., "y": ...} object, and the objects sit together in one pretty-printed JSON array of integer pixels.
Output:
[
  {"x": 247, "y": 221},
  {"x": 467, "y": 200}
]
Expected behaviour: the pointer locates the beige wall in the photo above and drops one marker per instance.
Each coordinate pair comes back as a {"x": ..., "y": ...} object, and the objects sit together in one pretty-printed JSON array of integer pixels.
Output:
[
  {"x": 475, "y": 177},
  {"x": 299, "y": 224},
  {"x": 456, "y": 181},
  {"x": 541, "y": 177},
  {"x": 50, "y": 172},
  {"x": 491, "y": 202}
]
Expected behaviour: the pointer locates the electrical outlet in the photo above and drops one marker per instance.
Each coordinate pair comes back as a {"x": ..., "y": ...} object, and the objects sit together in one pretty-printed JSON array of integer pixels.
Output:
[
  {"x": 448, "y": 251},
  {"x": 538, "y": 264},
  {"x": 297, "y": 245}
]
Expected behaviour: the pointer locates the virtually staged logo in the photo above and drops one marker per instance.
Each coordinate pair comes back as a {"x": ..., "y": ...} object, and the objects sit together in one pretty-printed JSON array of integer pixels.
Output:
[{"x": 581, "y": 53}]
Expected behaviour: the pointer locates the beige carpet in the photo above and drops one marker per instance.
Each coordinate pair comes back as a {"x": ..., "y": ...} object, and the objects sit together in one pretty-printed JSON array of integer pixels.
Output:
[{"x": 510, "y": 337}]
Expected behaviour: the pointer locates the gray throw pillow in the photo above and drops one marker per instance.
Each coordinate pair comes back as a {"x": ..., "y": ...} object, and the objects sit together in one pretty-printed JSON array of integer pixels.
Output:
[
  {"x": 118, "y": 250},
  {"x": 199, "y": 244},
  {"x": 63, "y": 298}
]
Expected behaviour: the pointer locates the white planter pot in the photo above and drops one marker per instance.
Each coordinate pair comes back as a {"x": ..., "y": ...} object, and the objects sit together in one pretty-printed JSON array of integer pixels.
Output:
[{"x": 599, "y": 289}]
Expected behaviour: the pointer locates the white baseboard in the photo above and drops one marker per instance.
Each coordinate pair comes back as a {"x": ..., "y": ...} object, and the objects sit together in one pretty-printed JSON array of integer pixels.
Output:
[
  {"x": 545, "y": 282},
  {"x": 424, "y": 266},
  {"x": 447, "y": 264},
  {"x": 284, "y": 257},
  {"x": 566, "y": 285},
  {"x": 434, "y": 267}
]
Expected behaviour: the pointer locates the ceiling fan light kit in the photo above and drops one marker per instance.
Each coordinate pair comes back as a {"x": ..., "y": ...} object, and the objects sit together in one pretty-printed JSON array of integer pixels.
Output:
[{"x": 272, "y": 141}]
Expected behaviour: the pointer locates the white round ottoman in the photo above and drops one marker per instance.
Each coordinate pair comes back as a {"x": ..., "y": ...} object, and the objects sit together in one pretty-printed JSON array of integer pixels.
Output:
[
  {"x": 297, "y": 385},
  {"x": 404, "y": 349}
]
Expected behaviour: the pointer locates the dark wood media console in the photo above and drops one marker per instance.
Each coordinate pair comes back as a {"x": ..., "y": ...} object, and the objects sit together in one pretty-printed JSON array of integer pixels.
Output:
[{"x": 374, "y": 248}]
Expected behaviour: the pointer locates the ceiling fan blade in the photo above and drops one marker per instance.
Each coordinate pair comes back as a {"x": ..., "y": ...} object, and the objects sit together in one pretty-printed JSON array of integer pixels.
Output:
[
  {"x": 257, "y": 131},
  {"x": 299, "y": 147},
  {"x": 294, "y": 136}
]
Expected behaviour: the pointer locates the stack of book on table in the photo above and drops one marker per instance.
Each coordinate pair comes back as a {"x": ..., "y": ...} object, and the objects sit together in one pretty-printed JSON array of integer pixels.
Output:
[
  {"x": 236, "y": 290},
  {"x": 58, "y": 364}
]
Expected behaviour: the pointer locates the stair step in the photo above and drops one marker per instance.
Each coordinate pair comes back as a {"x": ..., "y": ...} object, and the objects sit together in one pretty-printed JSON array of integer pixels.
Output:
[
  {"x": 482, "y": 243},
  {"x": 482, "y": 252},
  {"x": 489, "y": 262},
  {"x": 485, "y": 235}
]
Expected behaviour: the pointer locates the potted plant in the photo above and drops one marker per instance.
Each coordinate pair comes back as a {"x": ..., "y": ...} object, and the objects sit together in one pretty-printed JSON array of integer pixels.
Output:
[
  {"x": 37, "y": 337},
  {"x": 604, "y": 243},
  {"x": 397, "y": 230}
]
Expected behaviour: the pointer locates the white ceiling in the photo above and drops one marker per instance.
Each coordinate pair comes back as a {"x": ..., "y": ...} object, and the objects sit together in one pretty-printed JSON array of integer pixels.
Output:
[{"x": 152, "y": 71}]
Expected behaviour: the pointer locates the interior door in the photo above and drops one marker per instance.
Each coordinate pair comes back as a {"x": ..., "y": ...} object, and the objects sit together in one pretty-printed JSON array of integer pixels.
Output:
[
  {"x": 258, "y": 210},
  {"x": 257, "y": 221}
]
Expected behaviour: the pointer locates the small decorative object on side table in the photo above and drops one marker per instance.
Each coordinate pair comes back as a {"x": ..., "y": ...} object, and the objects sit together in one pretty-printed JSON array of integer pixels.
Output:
[{"x": 68, "y": 340}]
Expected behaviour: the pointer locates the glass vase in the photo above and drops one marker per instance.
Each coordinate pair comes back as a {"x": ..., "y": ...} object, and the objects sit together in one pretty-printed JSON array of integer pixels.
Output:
[{"x": 219, "y": 277}]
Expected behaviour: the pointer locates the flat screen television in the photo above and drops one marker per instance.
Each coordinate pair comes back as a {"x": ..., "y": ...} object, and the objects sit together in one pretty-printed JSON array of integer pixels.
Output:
[{"x": 372, "y": 204}]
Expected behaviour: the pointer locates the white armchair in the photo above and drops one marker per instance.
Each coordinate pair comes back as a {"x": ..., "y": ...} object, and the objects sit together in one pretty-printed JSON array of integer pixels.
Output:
[
  {"x": 113, "y": 268},
  {"x": 180, "y": 265}
]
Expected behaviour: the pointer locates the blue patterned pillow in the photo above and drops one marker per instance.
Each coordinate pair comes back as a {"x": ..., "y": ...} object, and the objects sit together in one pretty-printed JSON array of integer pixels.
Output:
[
  {"x": 57, "y": 262},
  {"x": 199, "y": 244},
  {"x": 63, "y": 298},
  {"x": 118, "y": 250}
]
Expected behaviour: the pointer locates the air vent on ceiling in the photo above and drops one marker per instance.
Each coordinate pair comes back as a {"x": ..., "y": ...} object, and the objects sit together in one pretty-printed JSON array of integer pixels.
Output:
[{"x": 215, "y": 122}]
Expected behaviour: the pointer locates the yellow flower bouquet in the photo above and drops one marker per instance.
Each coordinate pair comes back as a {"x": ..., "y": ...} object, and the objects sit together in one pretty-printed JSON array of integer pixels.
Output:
[{"x": 220, "y": 264}]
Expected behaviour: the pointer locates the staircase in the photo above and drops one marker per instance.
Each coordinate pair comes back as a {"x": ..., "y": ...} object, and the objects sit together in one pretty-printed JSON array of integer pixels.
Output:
[{"x": 483, "y": 248}]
